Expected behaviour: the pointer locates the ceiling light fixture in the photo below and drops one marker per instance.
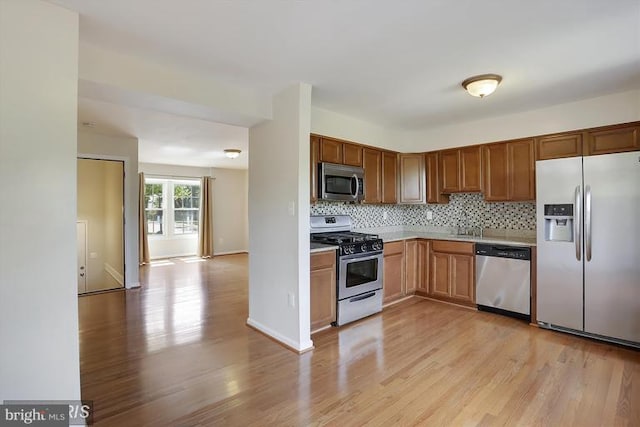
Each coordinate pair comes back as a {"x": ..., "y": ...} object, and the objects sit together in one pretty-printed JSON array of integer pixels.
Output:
[
  {"x": 482, "y": 85},
  {"x": 232, "y": 153}
]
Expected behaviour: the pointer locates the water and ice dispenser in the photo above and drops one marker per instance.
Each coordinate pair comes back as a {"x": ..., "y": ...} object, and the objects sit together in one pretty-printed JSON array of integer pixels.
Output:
[{"x": 558, "y": 223}]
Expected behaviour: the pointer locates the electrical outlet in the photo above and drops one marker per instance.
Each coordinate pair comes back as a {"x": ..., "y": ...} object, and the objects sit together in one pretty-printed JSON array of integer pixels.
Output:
[
  {"x": 429, "y": 215},
  {"x": 385, "y": 215},
  {"x": 292, "y": 299}
]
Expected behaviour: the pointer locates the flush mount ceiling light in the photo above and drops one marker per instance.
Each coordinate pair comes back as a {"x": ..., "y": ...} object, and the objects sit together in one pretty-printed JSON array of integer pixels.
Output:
[
  {"x": 232, "y": 153},
  {"x": 482, "y": 85}
]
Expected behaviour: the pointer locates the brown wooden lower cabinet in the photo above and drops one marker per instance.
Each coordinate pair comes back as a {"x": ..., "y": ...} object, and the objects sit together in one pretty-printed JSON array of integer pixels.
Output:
[
  {"x": 323, "y": 289},
  {"x": 452, "y": 271},
  {"x": 423, "y": 267},
  {"x": 411, "y": 266},
  {"x": 393, "y": 284}
]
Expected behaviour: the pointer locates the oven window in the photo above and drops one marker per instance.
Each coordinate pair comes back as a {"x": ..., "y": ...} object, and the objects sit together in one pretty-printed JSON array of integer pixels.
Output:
[{"x": 360, "y": 272}]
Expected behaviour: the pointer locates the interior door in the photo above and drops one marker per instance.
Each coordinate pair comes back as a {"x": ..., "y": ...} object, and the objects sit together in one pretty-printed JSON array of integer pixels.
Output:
[
  {"x": 100, "y": 189},
  {"x": 612, "y": 272},
  {"x": 81, "y": 243}
]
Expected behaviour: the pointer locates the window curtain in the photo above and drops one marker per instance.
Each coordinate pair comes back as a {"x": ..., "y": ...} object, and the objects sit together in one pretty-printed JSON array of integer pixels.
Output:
[
  {"x": 205, "y": 234},
  {"x": 143, "y": 242}
]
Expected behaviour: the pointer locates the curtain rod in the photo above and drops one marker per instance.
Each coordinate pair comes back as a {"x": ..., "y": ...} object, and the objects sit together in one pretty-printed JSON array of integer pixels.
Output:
[{"x": 155, "y": 175}]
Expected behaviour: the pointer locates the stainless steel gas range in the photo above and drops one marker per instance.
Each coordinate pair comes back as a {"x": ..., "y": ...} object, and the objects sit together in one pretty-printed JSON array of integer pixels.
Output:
[{"x": 359, "y": 266}]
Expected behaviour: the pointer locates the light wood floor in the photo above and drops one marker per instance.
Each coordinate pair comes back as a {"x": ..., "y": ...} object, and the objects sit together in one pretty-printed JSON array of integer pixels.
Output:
[{"x": 177, "y": 353}]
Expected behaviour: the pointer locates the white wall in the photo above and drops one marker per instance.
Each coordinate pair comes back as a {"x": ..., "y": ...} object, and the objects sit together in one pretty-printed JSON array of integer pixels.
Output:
[
  {"x": 230, "y": 216},
  {"x": 329, "y": 123},
  {"x": 124, "y": 79},
  {"x": 279, "y": 220},
  {"x": 38, "y": 110},
  {"x": 95, "y": 145},
  {"x": 230, "y": 211},
  {"x": 604, "y": 110}
]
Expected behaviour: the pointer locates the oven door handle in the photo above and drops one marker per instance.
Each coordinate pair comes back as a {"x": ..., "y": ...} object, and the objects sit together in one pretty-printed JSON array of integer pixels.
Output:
[
  {"x": 360, "y": 257},
  {"x": 363, "y": 296}
]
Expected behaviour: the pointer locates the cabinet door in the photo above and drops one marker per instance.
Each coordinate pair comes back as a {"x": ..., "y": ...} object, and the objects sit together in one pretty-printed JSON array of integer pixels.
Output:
[
  {"x": 559, "y": 146},
  {"x": 389, "y": 177},
  {"x": 412, "y": 179},
  {"x": 470, "y": 169},
  {"x": 462, "y": 277},
  {"x": 393, "y": 277},
  {"x": 496, "y": 182},
  {"x": 616, "y": 140},
  {"x": 449, "y": 171},
  {"x": 330, "y": 150},
  {"x": 411, "y": 265},
  {"x": 434, "y": 186},
  {"x": 322, "y": 297},
  {"x": 439, "y": 283},
  {"x": 522, "y": 185},
  {"x": 372, "y": 163},
  {"x": 313, "y": 167},
  {"x": 423, "y": 266},
  {"x": 351, "y": 154}
]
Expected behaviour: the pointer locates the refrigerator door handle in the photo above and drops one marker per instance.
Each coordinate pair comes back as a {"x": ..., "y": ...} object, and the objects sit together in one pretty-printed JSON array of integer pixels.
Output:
[
  {"x": 576, "y": 223},
  {"x": 587, "y": 221}
]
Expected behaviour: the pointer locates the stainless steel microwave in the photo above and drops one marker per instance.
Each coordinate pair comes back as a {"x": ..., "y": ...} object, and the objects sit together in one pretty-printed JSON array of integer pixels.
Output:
[{"x": 340, "y": 182}]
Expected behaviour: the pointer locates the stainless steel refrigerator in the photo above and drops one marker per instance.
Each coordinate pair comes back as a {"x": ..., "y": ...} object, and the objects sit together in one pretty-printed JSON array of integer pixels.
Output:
[{"x": 588, "y": 245}]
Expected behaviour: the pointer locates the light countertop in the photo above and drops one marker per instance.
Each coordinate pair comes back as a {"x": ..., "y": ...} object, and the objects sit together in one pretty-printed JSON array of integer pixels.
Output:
[
  {"x": 321, "y": 247},
  {"x": 406, "y": 235}
]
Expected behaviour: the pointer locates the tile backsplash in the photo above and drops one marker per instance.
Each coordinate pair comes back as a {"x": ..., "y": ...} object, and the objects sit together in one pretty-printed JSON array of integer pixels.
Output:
[{"x": 502, "y": 215}]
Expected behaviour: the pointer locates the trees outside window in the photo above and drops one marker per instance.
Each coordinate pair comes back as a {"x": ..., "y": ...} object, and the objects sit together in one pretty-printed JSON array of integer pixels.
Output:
[{"x": 172, "y": 207}]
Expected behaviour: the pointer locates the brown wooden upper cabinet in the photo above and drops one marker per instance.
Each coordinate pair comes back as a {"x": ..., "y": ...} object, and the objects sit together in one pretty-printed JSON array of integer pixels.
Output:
[
  {"x": 509, "y": 171},
  {"x": 341, "y": 152},
  {"x": 351, "y": 154},
  {"x": 330, "y": 150},
  {"x": 412, "y": 179},
  {"x": 434, "y": 181},
  {"x": 372, "y": 164},
  {"x": 613, "y": 139},
  {"x": 389, "y": 177},
  {"x": 559, "y": 146},
  {"x": 589, "y": 142},
  {"x": 460, "y": 170}
]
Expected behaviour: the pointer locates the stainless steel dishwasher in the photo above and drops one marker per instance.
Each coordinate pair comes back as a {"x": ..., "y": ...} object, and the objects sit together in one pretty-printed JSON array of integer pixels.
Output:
[{"x": 503, "y": 279}]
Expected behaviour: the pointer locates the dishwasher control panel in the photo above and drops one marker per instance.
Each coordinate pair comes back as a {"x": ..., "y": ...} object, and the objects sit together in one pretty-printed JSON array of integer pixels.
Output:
[{"x": 502, "y": 251}]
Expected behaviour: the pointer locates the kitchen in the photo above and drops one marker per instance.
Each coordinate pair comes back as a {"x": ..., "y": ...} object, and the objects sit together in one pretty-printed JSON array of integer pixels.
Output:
[
  {"x": 579, "y": 73},
  {"x": 436, "y": 258}
]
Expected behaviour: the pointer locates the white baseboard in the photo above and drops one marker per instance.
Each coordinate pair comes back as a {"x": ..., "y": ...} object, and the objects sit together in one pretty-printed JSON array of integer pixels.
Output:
[
  {"x": 229, "y": 253},
  {"x": 114, "y": 273},
  {"x": 155, "y": 258},
  {"x": 133, "y": 285},
  {"x": 279, "y": 337}
]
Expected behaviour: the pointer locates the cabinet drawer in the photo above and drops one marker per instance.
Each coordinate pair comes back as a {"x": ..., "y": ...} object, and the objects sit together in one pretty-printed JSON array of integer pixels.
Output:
[
  {"x": 323, "y": 260},
  {"x": 450, "y": 247},
  {"x": 392, "y": 248}
]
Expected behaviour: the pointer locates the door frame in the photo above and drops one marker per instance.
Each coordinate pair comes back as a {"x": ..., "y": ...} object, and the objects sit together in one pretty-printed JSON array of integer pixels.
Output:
[
  {"x": 128, "y": 284},
  {"x": 86, "y": 246}
]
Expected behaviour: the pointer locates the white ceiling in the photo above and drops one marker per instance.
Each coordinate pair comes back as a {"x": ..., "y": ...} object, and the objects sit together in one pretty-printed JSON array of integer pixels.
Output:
[
  {"x": 166, "y": 138},
  {"x": 395, "y": 63}
]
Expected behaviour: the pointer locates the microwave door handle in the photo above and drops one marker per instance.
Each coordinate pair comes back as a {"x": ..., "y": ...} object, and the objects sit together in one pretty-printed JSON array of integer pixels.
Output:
[{"x": 355, "y": 178}]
